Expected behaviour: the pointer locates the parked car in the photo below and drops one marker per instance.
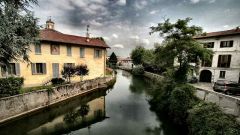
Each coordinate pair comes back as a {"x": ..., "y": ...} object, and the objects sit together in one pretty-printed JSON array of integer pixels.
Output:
[{"x": 228, "y": 87}]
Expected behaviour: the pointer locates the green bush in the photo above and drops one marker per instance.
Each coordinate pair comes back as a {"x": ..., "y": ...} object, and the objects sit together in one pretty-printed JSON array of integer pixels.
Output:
[
  {"x": 57, "y": 81},
  {"x": 10, "y": 86},
  {"x": 138, "y": 70},
  {"x": 181, "y": 99},
  {"x": 208, "y": 119}
]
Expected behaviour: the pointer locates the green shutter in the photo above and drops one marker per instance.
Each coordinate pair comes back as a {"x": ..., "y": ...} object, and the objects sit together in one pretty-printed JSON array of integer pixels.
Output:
[
  {"x": 44, "y": 68},
  {"x": 33, "y": 66},
  {"x": 82, "y": 52},
  {"x": 17, "y": 68}
]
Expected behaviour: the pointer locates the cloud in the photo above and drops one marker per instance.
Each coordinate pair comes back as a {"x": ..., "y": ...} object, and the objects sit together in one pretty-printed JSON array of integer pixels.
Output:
[
  {"x": 136, "y": 37},
  {"x": 197, "y": 1},
  {"x": 118, "y": 46},
  {"x": 153, "y": 12},
  {"x": 122, "y": 2},
  {"x": 115, "y": 35},
  {"x": 146, "y": 41}
]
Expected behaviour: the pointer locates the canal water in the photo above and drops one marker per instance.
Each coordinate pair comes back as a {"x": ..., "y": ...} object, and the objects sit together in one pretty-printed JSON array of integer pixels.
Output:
[{"x": 120, "y": 110}]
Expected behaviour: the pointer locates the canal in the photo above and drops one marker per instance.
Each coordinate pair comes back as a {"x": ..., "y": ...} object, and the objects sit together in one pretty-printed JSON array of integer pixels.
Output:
[{"x": 121, "y": 110}]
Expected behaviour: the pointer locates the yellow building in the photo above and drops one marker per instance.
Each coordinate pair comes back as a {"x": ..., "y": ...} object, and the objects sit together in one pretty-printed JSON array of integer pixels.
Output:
[{"x": 55, "y": 51}]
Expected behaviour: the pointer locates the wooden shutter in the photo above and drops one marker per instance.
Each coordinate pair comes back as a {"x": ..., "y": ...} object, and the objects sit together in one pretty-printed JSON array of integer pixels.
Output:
[
  {"x": 229, "y": 61},
  {"x": 100, "y": 53},
  {"x": 33, "y": 66},
  {"x": 44, "y": 68},
  {"x": 17, "y": 68}
]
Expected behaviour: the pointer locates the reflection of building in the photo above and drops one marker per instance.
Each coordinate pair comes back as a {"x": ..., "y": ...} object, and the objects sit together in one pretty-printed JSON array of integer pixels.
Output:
[
  {"x": 225, "y": 63},
  {"x": 74, "y": 119},
  {"x": 55, "y": 51},
  {"x": 126, "y": 62}
]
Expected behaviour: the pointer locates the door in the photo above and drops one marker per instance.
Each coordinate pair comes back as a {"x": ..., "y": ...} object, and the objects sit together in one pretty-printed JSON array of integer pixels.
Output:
[{"x": 55, "y": 69}]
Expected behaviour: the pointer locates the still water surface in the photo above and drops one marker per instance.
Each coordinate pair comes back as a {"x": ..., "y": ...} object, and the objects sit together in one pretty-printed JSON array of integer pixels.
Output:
[{"x": 121, "y": 110}]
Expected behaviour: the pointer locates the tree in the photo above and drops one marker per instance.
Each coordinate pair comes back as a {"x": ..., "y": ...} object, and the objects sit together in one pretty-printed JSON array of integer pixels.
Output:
[
  {"x": 113, "y": 59},
  {"x": 179, "y": 44},
  {"x": 81, "y": 70},
  {"x": 68, "y": 72},
  {"x": 18, "y": 29},
  {"x": 137, "y": 55}
]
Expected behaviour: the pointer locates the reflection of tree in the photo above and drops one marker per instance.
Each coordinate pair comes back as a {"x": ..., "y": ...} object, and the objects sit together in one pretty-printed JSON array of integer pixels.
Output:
[
  {"x": 138, "y": 85},
  {"x": 83, "y": 111},
  {"x": 153, "y": 131},
  {"x": 72, "y": 116}
]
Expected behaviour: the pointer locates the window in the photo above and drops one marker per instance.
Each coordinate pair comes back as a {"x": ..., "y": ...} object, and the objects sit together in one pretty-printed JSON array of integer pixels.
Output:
[
  {"x": 207, "y": 63},
  {"x": 69, "y": 51},
  {"x": 13, "y": 69},
  {"x": 208, "y": 45},
  {"x": 224, "y": 44},
  {"x": 222, "y": 74},
  {"x": 82, "y": 52},
  {"x": 224, "y": 61},
  {"x": 38, "y": 68},
  {"x": 38, "y": 49},
  {"x": 55, "y": 49},
  {"x": 69, "y": 64},
  {"x": 97, "y": 53}
]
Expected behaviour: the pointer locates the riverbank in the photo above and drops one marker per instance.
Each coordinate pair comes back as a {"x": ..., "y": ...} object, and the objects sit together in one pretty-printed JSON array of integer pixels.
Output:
[
  {"x": 25, "y": 104},
  {"x": 192, "y": 109}
]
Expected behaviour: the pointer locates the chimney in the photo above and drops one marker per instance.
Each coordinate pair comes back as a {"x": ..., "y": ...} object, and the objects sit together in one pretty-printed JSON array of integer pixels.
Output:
[
  {"x": 88, "y": 34},
  {"x": 49, "y": 24}
]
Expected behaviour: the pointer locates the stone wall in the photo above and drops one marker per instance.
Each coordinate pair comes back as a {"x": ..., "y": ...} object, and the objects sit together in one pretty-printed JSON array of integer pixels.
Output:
[
  {"x": 15, "y": 106},
  {"x": 229, "y": 104}
]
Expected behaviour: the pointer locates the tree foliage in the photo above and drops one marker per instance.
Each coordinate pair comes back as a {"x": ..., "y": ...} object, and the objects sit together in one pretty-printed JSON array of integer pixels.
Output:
[
  {"x": 113, "y": 59},
  {"x": 137, "y": 55},
  {"x": 18, "y": 29},
  {"x": 179, "y": 44},
  {"x": 68, "y": 72},
  {"x": 81, "y": 70}
]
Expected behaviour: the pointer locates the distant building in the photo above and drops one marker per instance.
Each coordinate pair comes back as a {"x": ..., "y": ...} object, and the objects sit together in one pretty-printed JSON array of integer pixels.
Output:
[
  {"x": 225, "y": 64},
  {"x": 127, "y": 62},
  {"x": 55, "y": 51}
]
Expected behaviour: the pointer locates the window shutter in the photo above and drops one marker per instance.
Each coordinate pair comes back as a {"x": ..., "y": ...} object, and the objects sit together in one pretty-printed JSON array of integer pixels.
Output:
[
  {"x": 95, "y": 53},
  {"x": 33, "y": 66},
  {"x": 17, "y": 68},
  {"x": 44, "y": 68},
  {"x": 100, "y": 53},
  {"x": 229, "y": 61}
]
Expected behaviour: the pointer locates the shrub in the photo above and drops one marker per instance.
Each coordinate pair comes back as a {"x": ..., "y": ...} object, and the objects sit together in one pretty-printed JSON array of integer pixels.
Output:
[
  {"x": 10, "y": 86},
  {"x": 57, "y": 81},
  {"x": 208, "y": 119},
  {"x": 138, "y": 70}
]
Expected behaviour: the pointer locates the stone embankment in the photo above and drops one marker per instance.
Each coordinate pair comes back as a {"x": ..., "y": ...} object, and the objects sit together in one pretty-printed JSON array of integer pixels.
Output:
[{"x": 24, "y": 104}]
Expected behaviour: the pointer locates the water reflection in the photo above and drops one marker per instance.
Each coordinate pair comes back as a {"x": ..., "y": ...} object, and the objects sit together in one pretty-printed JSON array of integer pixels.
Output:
[
  {"x": 79, "y": 113},
  {"x": 125, "y": 106}
]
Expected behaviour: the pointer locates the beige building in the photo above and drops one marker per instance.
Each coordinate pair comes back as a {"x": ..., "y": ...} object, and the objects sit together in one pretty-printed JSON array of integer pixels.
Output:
[{"x": 55, "y": 51}]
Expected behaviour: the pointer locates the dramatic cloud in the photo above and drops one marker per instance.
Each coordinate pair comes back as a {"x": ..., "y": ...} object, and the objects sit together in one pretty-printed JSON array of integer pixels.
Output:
[{"x": 127, "y": 22}]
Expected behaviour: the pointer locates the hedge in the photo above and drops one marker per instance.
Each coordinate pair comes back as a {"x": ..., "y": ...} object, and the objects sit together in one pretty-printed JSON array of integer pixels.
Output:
[{"x": 10, "y": 86}]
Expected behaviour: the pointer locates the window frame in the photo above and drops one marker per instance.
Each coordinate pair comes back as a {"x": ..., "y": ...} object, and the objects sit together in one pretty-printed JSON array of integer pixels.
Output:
[
  {"x": 208, "y": 45},
  {"x": 69, "y": 50},
  {"x": 99, "y": 54},
  {"x": 226, "y": 44},
  {"x": 221, "y": 59},
  {"x": 222, "y": 74},
  {"x": 35, "y": 69},
  {"x": 82, "y": 52},
  {"x": 36, "y": 50}
]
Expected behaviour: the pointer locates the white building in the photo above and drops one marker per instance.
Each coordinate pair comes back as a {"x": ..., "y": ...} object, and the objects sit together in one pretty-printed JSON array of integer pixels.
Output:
[{"x": 225, "y": 64}]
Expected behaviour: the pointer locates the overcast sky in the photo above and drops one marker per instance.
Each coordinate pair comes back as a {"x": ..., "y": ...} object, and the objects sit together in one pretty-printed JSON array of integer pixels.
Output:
[{"x": 125, "y": 23}]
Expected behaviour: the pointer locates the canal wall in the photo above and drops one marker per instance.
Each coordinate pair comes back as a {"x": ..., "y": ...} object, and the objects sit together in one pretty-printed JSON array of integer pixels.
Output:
[{"x": 19, "y": 105}]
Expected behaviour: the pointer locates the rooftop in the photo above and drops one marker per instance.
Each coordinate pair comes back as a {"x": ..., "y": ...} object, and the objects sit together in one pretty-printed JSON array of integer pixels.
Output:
[
  {"x": 235, "y": 31},
  {"x": 52, "y": 35}
]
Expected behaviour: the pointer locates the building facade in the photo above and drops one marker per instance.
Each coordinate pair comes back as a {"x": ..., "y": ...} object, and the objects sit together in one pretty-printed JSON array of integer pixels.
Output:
[
  {"x": 225, "y": 63},
  {"x": 55, "y": 51}
]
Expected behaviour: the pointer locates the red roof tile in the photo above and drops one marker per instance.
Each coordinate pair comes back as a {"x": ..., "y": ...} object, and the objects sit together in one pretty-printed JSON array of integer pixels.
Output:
[
  {"x": 55, "y": 36},
  {"x": 219, "y": 33}
]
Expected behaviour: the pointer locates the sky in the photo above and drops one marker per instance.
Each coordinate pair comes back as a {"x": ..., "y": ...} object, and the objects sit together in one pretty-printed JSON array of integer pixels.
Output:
[{"x": 125, "y": 24}]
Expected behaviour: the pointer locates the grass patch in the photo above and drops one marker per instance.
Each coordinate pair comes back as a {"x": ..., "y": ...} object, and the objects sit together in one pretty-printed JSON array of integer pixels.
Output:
[{"x": 31, "y": 89}]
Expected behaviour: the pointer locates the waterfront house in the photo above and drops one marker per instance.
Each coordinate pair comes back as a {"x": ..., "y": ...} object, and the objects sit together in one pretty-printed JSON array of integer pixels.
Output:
[
  {"x": 55, "y": 51},
  {"x": 225, "y": 64}
]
